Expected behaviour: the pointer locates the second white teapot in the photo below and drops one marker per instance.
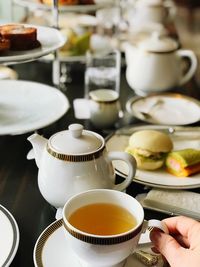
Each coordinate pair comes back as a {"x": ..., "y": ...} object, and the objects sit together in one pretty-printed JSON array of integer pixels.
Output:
[{"x": 156, "y": 64}]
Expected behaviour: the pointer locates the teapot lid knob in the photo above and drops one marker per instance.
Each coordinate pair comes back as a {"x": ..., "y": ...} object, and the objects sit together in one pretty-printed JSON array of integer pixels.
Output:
[
  {"x": 75, "y": 141},
  {"x": 76, "y": 130}
]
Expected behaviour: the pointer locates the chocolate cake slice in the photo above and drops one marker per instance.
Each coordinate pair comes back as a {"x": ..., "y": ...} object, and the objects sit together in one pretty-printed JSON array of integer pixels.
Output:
[{"x": 20, "y": 37}]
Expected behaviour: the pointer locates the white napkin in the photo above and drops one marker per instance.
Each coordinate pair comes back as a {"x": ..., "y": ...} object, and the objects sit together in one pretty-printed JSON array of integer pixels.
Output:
[
  {"x": 81, "y": 108},
  {"x": 175, "y": 202}
]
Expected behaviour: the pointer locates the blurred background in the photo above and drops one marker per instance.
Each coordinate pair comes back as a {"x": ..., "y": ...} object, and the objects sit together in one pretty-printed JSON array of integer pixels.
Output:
[{"x": 110, "y": 25}]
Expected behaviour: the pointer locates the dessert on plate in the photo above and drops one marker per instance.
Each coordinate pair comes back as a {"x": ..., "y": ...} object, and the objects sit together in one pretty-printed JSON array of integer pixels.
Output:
[
  {"x": 183, "y": 163},
  {"x": 149, "y": 147},
  {"x": 17, "y": 37},
  {"x": 77, "y": 43}
]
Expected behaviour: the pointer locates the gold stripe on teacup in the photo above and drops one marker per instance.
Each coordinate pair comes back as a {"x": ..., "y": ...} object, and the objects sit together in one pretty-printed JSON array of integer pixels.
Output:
[
  {"x": 41, "y": 242},
  {"x": 102, "y": 241},
  {"x": 75, "y": 158}
]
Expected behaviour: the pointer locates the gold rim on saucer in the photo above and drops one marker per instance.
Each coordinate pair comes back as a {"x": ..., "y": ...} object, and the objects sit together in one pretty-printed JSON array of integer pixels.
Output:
[
  {"x": 41, "y": 242},
  {"x": 148, "y": 116}
]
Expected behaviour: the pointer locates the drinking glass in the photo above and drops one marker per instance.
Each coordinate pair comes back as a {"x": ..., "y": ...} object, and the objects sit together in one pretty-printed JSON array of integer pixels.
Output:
[
  {"x": 102, "y": 86},
  {"x": 102, "y": 71}
]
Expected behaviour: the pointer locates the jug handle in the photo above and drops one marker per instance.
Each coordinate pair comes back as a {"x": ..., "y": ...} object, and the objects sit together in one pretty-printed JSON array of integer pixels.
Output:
[
  {"x": 132, "y": 165},
  {"x": 193, "y": 67}
]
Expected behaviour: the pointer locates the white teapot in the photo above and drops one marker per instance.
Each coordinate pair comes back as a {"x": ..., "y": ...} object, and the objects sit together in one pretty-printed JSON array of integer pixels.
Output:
[
  {"x": 75, "y": 160},
  {"x": 155, "y": 64}
]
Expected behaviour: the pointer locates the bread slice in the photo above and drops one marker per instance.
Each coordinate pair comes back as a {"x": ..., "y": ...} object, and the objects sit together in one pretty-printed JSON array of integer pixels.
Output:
[{"x": 20, "y": 37}]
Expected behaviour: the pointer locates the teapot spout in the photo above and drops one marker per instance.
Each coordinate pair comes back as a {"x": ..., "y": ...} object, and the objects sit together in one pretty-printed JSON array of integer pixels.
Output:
[{"x": 38, "y": 142}]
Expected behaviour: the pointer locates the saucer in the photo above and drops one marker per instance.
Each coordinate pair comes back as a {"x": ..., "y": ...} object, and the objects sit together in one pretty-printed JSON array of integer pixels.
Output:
[
  {"x": 52, "y": 249},
  {"x": 9, "y": 240},
  {"x": 165, "y": 109}
]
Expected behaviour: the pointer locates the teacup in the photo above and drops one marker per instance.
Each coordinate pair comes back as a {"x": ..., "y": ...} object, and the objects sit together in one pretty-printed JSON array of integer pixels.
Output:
[{"x": 104, "y": 226}]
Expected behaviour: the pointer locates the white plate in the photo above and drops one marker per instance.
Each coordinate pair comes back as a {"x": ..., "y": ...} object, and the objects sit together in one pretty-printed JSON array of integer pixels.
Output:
[
  {"x": 159, "y": 178},
  {"x": 50, "y": 39},
  {"x": 9, "y": 240},
  {"x": 66, "y": 8},
  {"x": 27, "y": 106},
  {"x": 52, "y": 249},
  {"x": 174, "y": 109}
]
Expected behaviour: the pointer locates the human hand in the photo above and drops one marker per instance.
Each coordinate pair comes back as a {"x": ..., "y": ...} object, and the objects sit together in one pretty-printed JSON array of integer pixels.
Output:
[{"x": 181, "y": 247}]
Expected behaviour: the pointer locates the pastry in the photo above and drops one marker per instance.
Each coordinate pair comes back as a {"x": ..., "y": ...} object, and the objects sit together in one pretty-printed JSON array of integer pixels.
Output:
[
  {"x": 20, "y": 37},
  {"x": 183, "y": 162},
  {"x": 76, "y": 44},
  {"x": 149, "y": 147}
]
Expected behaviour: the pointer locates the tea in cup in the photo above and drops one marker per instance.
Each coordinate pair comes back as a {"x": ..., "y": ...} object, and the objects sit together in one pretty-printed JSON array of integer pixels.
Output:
[{"x": 104, "y": 226}]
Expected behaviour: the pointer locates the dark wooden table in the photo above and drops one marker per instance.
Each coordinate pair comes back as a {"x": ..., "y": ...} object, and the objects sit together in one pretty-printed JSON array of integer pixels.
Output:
[{"x": 19, "y": 191}]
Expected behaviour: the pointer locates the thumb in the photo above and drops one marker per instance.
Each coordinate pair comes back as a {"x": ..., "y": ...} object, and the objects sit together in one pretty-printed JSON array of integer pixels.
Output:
[{"x": 166, "y": 245}]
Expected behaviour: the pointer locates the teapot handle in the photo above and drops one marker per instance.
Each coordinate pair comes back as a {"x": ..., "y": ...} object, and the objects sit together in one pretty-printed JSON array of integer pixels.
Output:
[
  {"x": 193, "y": 67},
  {"x": 132, "y": 165}
]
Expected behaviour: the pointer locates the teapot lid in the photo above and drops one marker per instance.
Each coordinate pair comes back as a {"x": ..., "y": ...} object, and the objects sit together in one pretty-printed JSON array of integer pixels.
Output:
[
  {"x": 159, "y": 44},
  {"x": 75, "y": 141}
]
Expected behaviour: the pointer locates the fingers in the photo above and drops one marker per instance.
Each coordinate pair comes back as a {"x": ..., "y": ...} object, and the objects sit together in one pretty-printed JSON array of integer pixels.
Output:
[
  {"x": 181, "y": 246},
  {"x": 182, "y": 241},
  {"x": 188, "y": 228},
  {"x": 181, "y": 225},
  {"x": 167, "y": 246}
]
